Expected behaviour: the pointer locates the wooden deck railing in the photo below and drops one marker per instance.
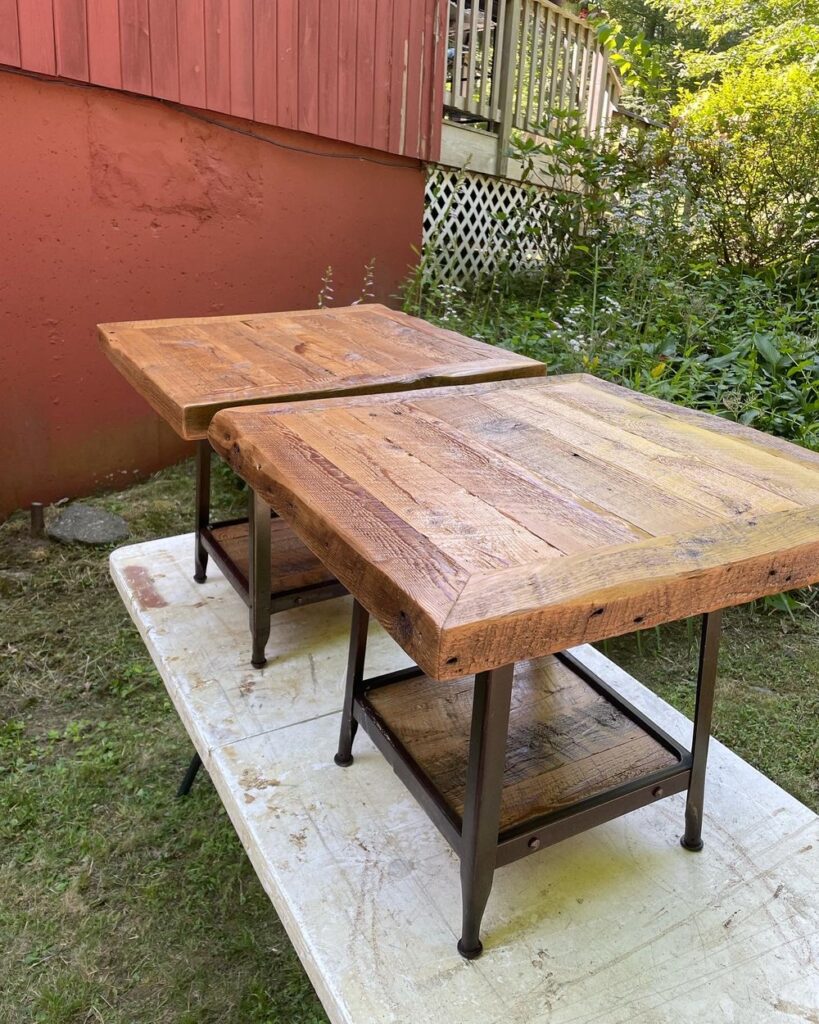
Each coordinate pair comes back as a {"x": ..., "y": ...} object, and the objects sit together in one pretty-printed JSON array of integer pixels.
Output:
[{"x": 511, "y": 63}]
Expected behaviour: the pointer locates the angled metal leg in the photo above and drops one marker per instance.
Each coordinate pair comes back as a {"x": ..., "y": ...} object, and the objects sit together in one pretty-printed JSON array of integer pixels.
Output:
[
  {"x": 706, "y": 678},
  {"x": 203, "y": 453},
  {"x": 482, "y": 803},
  {"x": 259, "y": 526},
  {"x": 354, "y": 684},
  {"x": 190, "y": 776}
]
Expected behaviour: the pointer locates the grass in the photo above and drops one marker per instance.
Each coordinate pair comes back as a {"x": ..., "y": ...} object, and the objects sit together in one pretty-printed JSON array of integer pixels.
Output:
[{"x": 119, "y": 903}]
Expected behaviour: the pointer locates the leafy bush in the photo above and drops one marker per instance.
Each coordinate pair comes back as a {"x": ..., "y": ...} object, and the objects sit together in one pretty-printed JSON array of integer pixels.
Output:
[{"x": 749, "y": 147}]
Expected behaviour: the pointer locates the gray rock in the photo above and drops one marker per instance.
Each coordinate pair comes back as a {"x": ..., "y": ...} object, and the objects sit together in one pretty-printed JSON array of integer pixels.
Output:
[{"x": 84, "y": 525}]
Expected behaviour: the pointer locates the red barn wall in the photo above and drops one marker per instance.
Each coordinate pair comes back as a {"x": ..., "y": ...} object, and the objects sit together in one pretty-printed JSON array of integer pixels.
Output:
[{"x": 117, "y": 208}]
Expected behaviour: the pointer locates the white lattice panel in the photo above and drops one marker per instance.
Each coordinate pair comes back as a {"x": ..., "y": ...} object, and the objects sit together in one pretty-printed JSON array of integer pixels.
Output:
[{"x": 475, "y": 225}]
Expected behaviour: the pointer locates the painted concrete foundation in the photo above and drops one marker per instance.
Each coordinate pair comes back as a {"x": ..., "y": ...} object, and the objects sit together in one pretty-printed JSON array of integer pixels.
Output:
[
  {"x": 616, "y": 926},
  {"x": 117, "y": 207}
]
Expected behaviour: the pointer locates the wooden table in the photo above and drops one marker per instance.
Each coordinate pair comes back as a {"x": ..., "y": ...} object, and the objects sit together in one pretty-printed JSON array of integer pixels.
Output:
[
  {"x": 189, "y": 369},
  {"x": 490, "y": 527}
]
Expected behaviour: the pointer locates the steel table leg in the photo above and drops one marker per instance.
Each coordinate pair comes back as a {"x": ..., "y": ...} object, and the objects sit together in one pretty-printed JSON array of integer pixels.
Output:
[
  {"x": 482, "y": 803},
  {"x": 203, "y": 453},
  {"x": 190, "y": 776},
  {"x": 706, "y": 679},
  {"x": 354, "y": 684},
  {"x": 260, "y": 605}
]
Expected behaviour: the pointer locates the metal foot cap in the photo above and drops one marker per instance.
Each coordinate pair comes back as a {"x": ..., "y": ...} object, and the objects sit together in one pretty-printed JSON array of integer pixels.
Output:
[
  {"x": 343, "y": 762},
  {"x": 693, "y": 847},
  {"x": 200, "y": 577},
  {"x": 470, "y": 954},
  {"x": 258, "y": 664}
]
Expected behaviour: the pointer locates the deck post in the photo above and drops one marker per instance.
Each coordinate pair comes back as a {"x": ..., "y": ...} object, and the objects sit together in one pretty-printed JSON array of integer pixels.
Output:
[{"x": 507, "y": 65}]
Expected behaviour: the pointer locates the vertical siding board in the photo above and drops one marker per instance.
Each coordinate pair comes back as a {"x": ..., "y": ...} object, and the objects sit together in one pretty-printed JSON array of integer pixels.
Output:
[
  {"x": 217, "y": 55},
  {"x": 364, "y": 71},
  {"x": 427, "y": 71},
  {"x": 103, "y": 43},
  {"x": 164, "y": 49},
  {"x": 365, "y": 66},
  {"x": 134, "y": 31},
  {"x": 287, "y": 63},
  {"x": 414, "y": 68},
  {"x": 71, "y": 39},
  {"x": 309, "y": 36},
  {"x": 436, "y": 101},
  {"x": 36, "y": 27},
  {"x": 347, "y": 42},
  {"x": 9, "y": 34},
  {"x": 381, "y": 75},
  {"x": 328, "y": 68},
  {"x": 190, "y": 25},
  {"x": 264, "y": 61},
  {"x": 241, "y": 58},
  {"x": 398, "y": 75}
]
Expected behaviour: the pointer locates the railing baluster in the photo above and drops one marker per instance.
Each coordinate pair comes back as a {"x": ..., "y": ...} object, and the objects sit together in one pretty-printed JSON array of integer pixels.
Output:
[
  {"x": 498, "y": 59},
  {"x": 532, "y": 52},
  {"x": 458, "y": 58},
  {"x": 557, "y": 46},
  {"x": 471, "y": 104},
  {"x": 545, "y": 69},
  {"x": 507, "y": 68}
]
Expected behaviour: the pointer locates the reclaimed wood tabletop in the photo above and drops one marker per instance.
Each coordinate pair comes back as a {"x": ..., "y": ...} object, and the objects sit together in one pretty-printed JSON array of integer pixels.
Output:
[
  {"x": 188, "y": 369},
  {"x": 486, "y": 524}
]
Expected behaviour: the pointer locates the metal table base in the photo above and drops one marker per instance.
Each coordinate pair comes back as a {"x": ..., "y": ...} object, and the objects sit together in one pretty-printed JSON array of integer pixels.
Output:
[{"x": 476, "y": 837}]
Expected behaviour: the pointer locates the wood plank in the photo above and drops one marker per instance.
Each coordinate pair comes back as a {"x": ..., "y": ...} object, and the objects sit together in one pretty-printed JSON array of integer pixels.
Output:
[
  {"x": 287, "y": 64},
  {"x": 399, "y": 73},
  {"x": 414, "y": 75},
  {"x": 36, "y": 28},
  {"x": 365, "y": 84},
  {"x": 566, "y": 742},
  {"x": 466, "y": 529},
  {"x": 436, "y": 85},
  {"x": 347, "y": 58},
  {"x": 381, "y": 75},
  {"x": 164, "y": 49},
  {"x": 104, "y": 66},
  {"x": 135, "y": 31},
  {"x": 686, "y": 476},
  {"x": 241, "y": 58},
  {"x": 728, "y": 453},
  {"x": 70, "y": 35},
  {"x": 190, "y": 16},
  {"x": 264, "y": 62},
  {"x": 9, "y": 33},
  {"x": 187, "y": 369},
  {"x": 217, "y": 54},
  {"x": 565, "y": 523},
  {"x": 719, "y": 424},
  {"x": 309, "y": 35},
  {"x": 292, "y": 565},
  {"x": 328, "y": 68},
  {"x": 589, "y": 481}
]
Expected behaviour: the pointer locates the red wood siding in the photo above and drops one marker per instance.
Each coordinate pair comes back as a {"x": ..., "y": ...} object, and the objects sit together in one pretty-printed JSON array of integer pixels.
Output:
[{"x": 363, "y": 71}]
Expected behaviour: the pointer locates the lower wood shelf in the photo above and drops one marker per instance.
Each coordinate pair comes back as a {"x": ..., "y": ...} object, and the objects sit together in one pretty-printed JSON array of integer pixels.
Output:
[
  {"x": 293, "y": 567},
  {"x": 568, "y": 741}
]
